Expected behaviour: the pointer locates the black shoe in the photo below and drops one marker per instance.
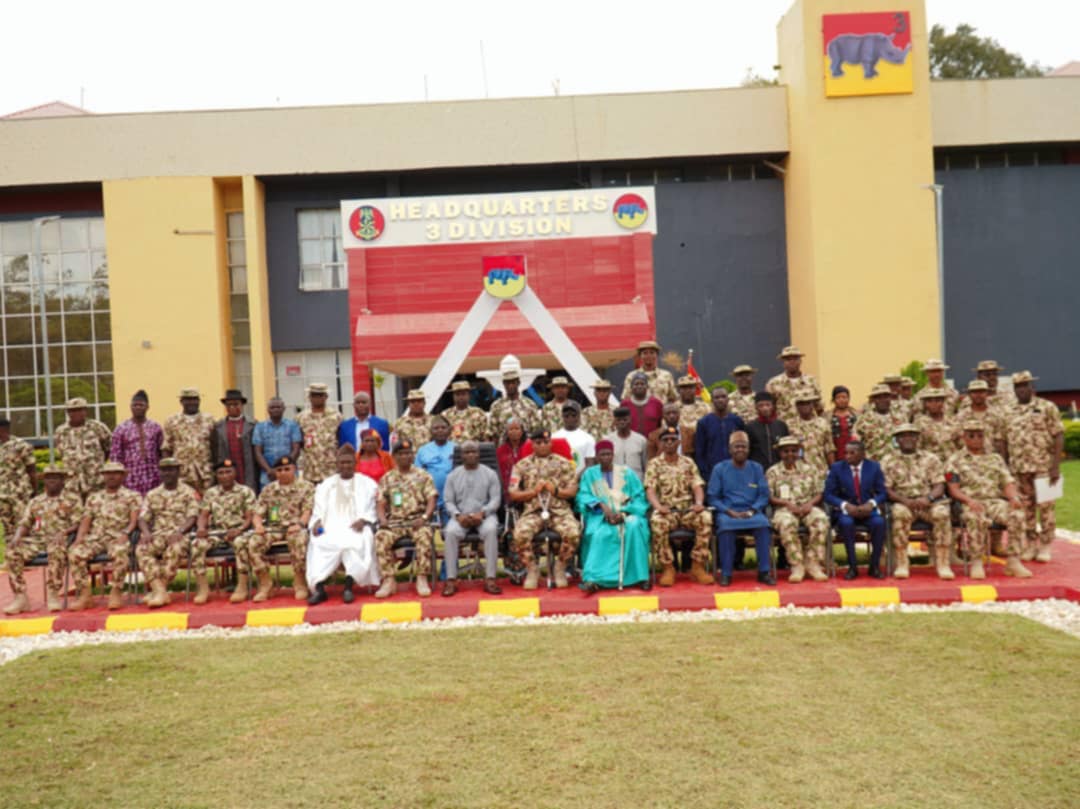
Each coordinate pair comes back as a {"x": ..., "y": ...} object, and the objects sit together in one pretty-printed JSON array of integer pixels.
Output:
[
  {"x": 319, "y": 596},
  {"x": 645, "y": 585},
  {"x": 852, "y": 573},
  {"x": 348, "y": 595},
  {"x": 766, "y": 577},
  {"x": 875, "y": 573},
  {"x": 725, "y": 580},
  {"x": 590, "y": 587}
]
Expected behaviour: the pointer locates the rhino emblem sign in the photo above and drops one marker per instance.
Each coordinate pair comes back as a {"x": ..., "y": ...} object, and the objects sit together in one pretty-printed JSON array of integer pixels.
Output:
[{"x": 865, "y": 50}]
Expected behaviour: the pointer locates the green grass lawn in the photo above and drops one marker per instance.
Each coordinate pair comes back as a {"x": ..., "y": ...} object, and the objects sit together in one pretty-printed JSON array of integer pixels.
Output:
[
  {"x": 883, "y": 710},
  {"x": 1068, "y": 507}
]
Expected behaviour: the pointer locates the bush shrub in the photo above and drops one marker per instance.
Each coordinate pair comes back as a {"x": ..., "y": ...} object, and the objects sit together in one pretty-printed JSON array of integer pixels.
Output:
[{"x": 1072, "y": 439}]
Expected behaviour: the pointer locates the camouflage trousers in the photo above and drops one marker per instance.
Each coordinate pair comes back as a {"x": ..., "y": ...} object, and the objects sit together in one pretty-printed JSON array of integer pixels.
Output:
[
  {"x": 253, "y": 550},
  {"x": 978, "y": 526},
  {"x": 159, "y": 556},
  {"x": 787, "y": 526},
  {"x": 10, "y": 511},
  {"x": 663, "y": 524},
  {"x": 21, "y": 551},
  {"x": 80, "y": 553},
  {"x": 938, "y": 515},
  {"x": 529, "y": 525},
  {"x": 385, "y": 538},
  {"x": 201, "y": 546},
  {"x": 1047, "y": 517}
]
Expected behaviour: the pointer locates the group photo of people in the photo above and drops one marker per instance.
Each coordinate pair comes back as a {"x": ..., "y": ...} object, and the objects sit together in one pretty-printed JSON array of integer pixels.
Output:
[{"x": 665, "y": 480}]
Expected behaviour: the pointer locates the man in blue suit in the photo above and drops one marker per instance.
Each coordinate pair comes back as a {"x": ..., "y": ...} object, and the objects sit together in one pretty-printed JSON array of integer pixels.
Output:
[
  {"x": 350, "y": 429},
  {"x": 856, "y": 490}
]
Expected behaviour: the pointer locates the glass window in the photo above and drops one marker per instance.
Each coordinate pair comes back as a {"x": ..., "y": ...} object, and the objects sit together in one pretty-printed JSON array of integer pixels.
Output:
[
  {"x": 19, "y": 331},
  {"x": 97, "y": 234},
  {"x": 235, "y": 225},
  {"x": 321, "y": 249},
  {"x": 15, "y": 237},
  {"x": 17, "y": 269},
  {"x": 74, "y": 234}
]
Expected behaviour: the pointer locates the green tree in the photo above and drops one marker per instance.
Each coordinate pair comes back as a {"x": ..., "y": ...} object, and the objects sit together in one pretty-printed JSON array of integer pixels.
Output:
[
  {"x": 753, "y": 79},
  {"x": 963, "y": 55}
]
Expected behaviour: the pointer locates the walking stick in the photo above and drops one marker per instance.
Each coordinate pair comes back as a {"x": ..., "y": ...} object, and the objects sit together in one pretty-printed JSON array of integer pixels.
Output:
[{"x": 622, "y": 552}]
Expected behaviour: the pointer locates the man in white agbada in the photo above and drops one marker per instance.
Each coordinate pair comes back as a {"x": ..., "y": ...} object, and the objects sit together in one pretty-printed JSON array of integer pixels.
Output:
[{"x": 341, "y": 530}]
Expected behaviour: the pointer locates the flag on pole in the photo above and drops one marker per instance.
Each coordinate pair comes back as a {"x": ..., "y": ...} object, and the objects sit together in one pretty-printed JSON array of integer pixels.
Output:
[{"x": 702, "y": 392}]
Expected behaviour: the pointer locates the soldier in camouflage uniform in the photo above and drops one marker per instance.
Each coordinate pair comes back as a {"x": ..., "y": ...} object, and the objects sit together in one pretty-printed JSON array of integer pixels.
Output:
[
  {"x": 45, "y": 525},
  {"x": 935, "y": 380},
  {"x": 109, "y": 517},
  {"x": 168, "y": 514},
  {"x": 18, "y": 477},
  {"x": 406, "y": 500},
  {"x": 512, "y": 404},
  {"x": 1000, "y": 400},
  {"x": 791, "y": 383},
  {"x": 692, "y": 410},
  {"x": 976, "y": 405},
  {"x": 907, "y": 395},
  {"x": 551, "y": 413},
  {"x": 796, "y": 490},
  {"x": 900, "y": 406},
  {"x": 676, "y": 492},
  {"x": 467, "y": 423},
  {"x": 1034, "y": 442},
  {"x": 544, "y": 482},
  {"x": 982, "y": 483},
  {"x": 187, "y": 438},
  {"x": 939, "y": 432},
  {"x": 415, "y": 425},
  {"x": 598, "y": 420},
  {"x": 814, "y": 434},
  {"x": 875, "y": 427},
  {"x": 225, "y": 515},
  {"x": 83, "y": 445},
  {"x": 319, "y": 427},
  {"x": 281, "y": 514},
  {"x": 661, "y": 383},
  {"x": 741, "y": 401},
  {"x": 915, "y": 483}
]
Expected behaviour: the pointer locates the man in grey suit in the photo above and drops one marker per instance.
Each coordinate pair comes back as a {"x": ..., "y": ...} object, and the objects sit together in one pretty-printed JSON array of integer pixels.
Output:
[
  {"x": 231, "y": 439},
  {"x": 472, "y": 494}
]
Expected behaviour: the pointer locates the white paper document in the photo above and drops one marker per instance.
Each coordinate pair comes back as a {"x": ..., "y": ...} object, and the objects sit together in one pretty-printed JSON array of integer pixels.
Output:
[{"x": 1045, "y": 493}]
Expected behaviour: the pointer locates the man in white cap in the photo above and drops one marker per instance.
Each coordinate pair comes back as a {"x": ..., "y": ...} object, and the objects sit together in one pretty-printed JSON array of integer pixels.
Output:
[
  {"x": 786, "y": 386},
  {"x": 187, "y": 438},
  {"x": 661, "y": 383}
]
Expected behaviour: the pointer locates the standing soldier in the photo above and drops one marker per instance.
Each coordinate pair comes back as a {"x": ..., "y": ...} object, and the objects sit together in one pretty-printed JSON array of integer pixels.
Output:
[
  {"x": 187, "y": 438},
  {"x": 18, "y": 477},
  {"x": 988, "y": 371},
  {"x": 110, "y": 516},
  {"x": 792, "y": 382},
  {"x": 899, "y": 405},
  {"x": 692, "y": 410},
  {"x": 45, "y": 524},
  {"x": 1034, "y": 441},
  {"x": 939, "y": 432},
  {"x": 875, "y": 426},
  {"x": 976, "y": 405},
  {"x": 415, "y": 425},
  {"x": 168, "y": 514},
  {"x": 661, "y": 383},
  {"x": 676, "y": 492},
  {"x": 741, "y": 401},
  {"x": 915, "y": 483},
  {"x": 406, "y": 501},
  {"x": 796, "y": 490},
  {"x": 547, "y": 486},
  {"x": 467, "y": 423},
  {"x": 282, "y": 513},
  {"x": 319, "y": 427},
  {"x": 935, "y": 381},
  {"x": 907, "y": 395},
  {"x": 83, "y": 445},
  {"x": 981, "y": 482},
  {"x": 598, "y": 420},
  {"x": 512, "y": 404},
  {"x": 551, "y": 413},
  {"x": 225, "y": 515},
  {"x": 814, "y": 434}
]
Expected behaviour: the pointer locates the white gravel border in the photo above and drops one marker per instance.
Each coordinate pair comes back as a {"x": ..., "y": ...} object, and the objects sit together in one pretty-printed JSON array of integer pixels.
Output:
[{"x": 1054, "y": 613}]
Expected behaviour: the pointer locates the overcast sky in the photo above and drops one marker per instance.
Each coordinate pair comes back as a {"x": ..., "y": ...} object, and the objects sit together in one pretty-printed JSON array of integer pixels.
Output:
[{"x": 141, "y": 56}]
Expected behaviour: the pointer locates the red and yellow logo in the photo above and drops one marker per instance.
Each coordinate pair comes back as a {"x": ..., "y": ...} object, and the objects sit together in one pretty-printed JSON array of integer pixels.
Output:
[
  {"x": 367, "y": 223},
  {"x": 630, "y": 211},
  {"x": 867, "y": 54}
]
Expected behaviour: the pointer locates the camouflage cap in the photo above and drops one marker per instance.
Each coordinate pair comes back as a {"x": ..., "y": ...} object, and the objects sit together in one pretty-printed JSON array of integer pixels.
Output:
[
  {"x": 978, "y": 384},
  {"x": 1022, "y": 377},
  {"x": 880, "y": 390},
  {"x": 461, "y": 385},
  {"x": 806, "y": 396},
  {"x": 905, "y": 427},
  {"x": 988, "y": 365},
  {"x": 404, "y": 445},
  {"x": 687, "y": 381},
  {"x": 935, "y": 365},
  {"x": 189, "y": 393},
  {"x": 166, "y": 463},
  {"x": 932, "y": 393},
  {"x": 416, "y": 395},
  {"x": 54, "y": 469},
  {"x": 789, "y": 351},
  {"x": 973, "y": 426},
  {"x": 318, "y": 388},
  {"x": 907, "y": 382},
  {"x": 513, "y": 373},
  {"x": 601, "y": 384},
  {"x": 113, "y": 466},
  {"x": 787, "y": 441},
  {"x": 76, "y": 404},
  {"x": 646, "y": 344},
  {"x": 559, "y": 380},
  {"x": 892, "y": 379},
  {"x": 743, "y": 369}
]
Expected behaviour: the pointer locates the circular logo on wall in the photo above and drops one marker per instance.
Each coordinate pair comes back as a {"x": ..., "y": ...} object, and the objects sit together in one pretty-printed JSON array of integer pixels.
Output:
[
  {"x": 630, "y": 211},
  {"x": 367, "y": 223}
]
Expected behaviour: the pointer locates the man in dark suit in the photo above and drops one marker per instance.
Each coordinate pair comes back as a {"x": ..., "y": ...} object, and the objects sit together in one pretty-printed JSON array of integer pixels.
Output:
[
  {"x": 350, "y": 429},
  {"x": 231, "y": 440},
  {"x": 855, "y": 489}
]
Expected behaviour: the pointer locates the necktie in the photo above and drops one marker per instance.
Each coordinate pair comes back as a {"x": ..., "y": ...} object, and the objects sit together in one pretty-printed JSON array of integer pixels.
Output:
[{"x": 858, "y": 487}]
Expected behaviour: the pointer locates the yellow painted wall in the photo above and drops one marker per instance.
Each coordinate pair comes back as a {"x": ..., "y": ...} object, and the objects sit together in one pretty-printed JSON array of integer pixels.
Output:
[
  {"x": 169, "y": 289},
  {"x": 263, "y": 382},
  {"x": 861, "y": 249}
]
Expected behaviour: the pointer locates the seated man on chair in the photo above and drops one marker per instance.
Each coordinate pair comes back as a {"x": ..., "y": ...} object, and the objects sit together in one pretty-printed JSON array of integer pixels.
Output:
[
  {"x": 739, "y": 493},
  {"x": 676, "y": 492},
  {"x": 855, "y": 487},
  {"x": 546, "y": 484},
  {"x": 406, "y": 502},
  {"x": 796, "y": 493},
  {"x": 282, "y": 513},
  {"x": 472, "y": 495},
  {"x": 225, "y": 515},
  {"x": 168, "y": 514}
]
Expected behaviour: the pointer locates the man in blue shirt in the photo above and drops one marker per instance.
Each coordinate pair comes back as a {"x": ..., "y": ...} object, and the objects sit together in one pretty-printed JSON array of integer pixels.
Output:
[
  {"x": 739, "y": 493},
  {"x": 274, "y": 439},
  {"x": 713, "y": 434},
  {"x": 436, "y": 458},
  {"x": 349, "y": 431}
]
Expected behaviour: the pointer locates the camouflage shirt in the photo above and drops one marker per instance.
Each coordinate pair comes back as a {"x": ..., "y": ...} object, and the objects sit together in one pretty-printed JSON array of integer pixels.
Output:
[
  {"x": 551, "y": 415},
  {"x": 875, "y": 431},
  {"x": 504, "y": 409},
  {"x": 785, "y": 388},
  {"x": 166, "y": 511},
  {"x": 46, "y": 516},
  {"x": 529, "y": 472},
  {"x": 597, "y": 422},
  {"x": 406, "y": 494},
  {"x": 691, "y": 414},
  {"x": 661, "y": 384},
  {"x": 913, "y": 474},
  {"x": 983, "y": 476},
  {"x": 673, "y": 483},
  {"x": 952, "y": 401},
  {"x": 942, "y": 438},
  {"x": 992, "y": 418},
  {"x": 1031, "y": 431},
  {"x": 416, "y": 430},
  {"x": 318, "y": 460},
  {"x": 15, "y": 456},
  {"x": 470, "y": 424},
  {"x": 741, "y": 404},
  {"x": 280, "y": 505},
  {"x": 187, "y": 438},
  {"x": 817, "y": 441},
  {"x": 83, "y": 450},
  {"x": 798, "y": 485},
  {"x": 110, "y": 512},
  {"x": 227, "y": 510}
]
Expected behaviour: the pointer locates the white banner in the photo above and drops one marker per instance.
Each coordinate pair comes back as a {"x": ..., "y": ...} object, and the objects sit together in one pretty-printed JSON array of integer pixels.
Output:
[{"x": 410, "y": 221}]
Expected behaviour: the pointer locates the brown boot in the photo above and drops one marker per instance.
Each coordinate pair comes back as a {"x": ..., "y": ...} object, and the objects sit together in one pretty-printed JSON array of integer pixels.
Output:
[
  {"x": 158, "y": 594},
  {"x": 560, "y": 574},
  {"x": 20, "y": 604},
  {"x": 699, "y": 574},
  {"x": 798, "y": 573},
  {"x": 240, "y": 594},
  {"x": 52, "y": 601},
  {"x": 265, "y": 583},
  {"x": 667, "y": 576},
  {"x": 85, "y": 600},
  {"x": 1044, "y": 554},
  {"x": 387, "y": 588},
  {"x": 941, "y": 557},
  {"x": 1014, "y": 567},
  {"x": 202, "y": 592},
  {"x": 300, "y": 590},
  {"x": 977, "y": 571},
  {"x": 532, "y": 576},
  {"x": 116, "y": 597}
]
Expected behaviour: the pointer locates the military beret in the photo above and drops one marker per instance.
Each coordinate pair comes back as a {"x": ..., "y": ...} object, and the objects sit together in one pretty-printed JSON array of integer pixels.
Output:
[
  {"x": 668, "y": 432},
  {"x": 113, "y": 466},
  {"x": 76, "y": 403},
  {"x": 54, "y": 469},
  {"x": 905, "y": 427},
  {"x": 541, "y": 435},
  {"x": 1021, "y": 377},
  {"x": 646, "y": 344},
  {"x": 978, "y": 384},
  {"x": 935, "y": 365},
  {"x": 789, "y": 351},
  {"x": 601, "y": 384},
  {"x": 932, "y": 393},
  {"x": 404, "y": 445},
  {"x": 461, "y": 385},
  {"x": 807, "y": 397},
  {"x": 559, "y": 380},
  {"x": 166, "y": 463},
  {"x": 788, "y": 441},
  {"x": 973, "y": 425},
  {"x": 988, "y": 365},
  {"x": 284, "y": 460},
  {"x": 224, "y": 464},
  {"x": 416, "y": 395},
  {"x": 189, "y": 393},
  {"x": 318, "y": 388},
  {"x": 743, "y": 369},
  {"x": 571, "y": 405},
  {"x": 880, "y": 390},
  {"x": 687, "y": 381}
]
